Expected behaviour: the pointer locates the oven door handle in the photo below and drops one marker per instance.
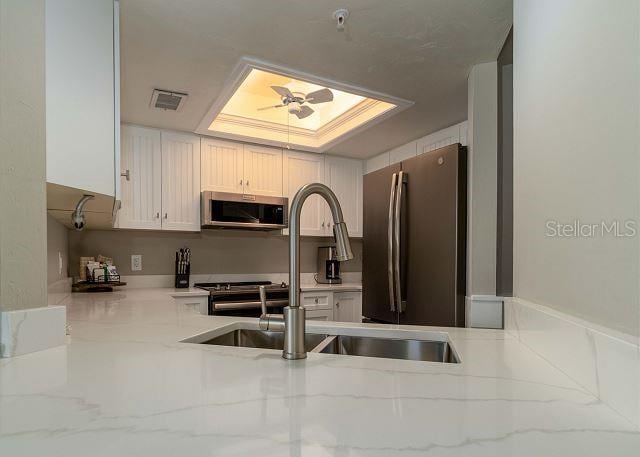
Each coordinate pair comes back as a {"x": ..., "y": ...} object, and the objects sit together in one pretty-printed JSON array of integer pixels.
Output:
[{"x": 221, "y": 306}]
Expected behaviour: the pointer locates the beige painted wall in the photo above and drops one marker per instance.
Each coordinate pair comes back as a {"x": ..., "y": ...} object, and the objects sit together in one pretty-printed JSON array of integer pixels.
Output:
[
  {"x": 57, "y": 244},
  {"x": 23, "y": 262},
  {"x": 213, "y": 251},
  {"x": 576, "y": 156}
]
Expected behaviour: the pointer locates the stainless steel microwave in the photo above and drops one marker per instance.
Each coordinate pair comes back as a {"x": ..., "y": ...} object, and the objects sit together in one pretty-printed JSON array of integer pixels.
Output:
[{"x": 243, "y": 211}]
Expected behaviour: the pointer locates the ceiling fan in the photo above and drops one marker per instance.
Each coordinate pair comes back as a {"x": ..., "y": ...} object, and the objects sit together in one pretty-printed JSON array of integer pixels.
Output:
[{"x": 296, "y": 101}]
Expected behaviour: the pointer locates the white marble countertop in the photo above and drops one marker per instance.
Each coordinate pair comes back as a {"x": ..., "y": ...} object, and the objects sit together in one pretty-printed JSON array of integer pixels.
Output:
[
  {"x": 344, "y": 287},
  {"x": 189, "y": 292},
  {"x": 197, "y": 292},
  {"x": 125, "y": 386}
]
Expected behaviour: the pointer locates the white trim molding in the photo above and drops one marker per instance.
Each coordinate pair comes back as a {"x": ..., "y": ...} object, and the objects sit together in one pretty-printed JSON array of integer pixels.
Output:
[
  {"x": 377, "y": 104},
  {"x": 29, "y": 330},
  {"x": 484, "y": 311},
  {"x": 603, "y": 361}
]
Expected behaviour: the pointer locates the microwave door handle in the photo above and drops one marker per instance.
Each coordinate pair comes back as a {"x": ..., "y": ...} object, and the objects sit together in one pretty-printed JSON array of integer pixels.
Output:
[
  {"x": 402, "y": 180},
  {"x": 392, "y": 197}
]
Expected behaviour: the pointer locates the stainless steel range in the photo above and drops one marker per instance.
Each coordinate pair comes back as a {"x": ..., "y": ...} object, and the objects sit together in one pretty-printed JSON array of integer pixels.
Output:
[{"x": 243, "y": 298}]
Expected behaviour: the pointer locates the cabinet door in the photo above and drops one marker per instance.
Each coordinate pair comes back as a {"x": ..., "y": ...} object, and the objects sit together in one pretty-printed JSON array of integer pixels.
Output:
[
  {"x": 300, "y": 169},
  {"x": 262, "y": 170},
  {"x": 141, "y": 190},
  {"x": 347, "y": 306},
  {"x": 180, "y": 182},
  {"x": 344, "y": 177},
  {"x": 80, "y": 84},
  {"x": 221, "y": 166}
]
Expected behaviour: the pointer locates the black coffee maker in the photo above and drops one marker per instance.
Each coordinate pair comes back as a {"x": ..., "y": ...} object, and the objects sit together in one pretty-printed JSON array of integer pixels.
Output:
[{"x": 328, "y": 266}]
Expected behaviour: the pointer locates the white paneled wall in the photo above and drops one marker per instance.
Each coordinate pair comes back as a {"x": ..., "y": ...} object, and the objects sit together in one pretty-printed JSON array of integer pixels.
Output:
[{"x": 455, "y": 134}]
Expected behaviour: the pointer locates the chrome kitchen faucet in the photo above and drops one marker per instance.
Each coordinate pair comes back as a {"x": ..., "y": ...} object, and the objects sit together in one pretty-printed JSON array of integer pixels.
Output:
[{"x": 292, "y": 322}]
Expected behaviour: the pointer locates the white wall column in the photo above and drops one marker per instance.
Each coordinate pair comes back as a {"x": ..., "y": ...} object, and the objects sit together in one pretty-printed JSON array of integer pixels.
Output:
[
  {"x": 483, "y": 308},
  {"x": 26, "y": 324}
]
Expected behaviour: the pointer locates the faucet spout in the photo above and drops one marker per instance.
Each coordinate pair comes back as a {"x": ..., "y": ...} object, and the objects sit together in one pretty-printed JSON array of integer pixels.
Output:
[{"x": 294, "y": 314}]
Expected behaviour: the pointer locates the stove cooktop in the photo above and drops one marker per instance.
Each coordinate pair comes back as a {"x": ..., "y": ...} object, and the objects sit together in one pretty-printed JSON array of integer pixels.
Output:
[{"x": 240, "y": 287}]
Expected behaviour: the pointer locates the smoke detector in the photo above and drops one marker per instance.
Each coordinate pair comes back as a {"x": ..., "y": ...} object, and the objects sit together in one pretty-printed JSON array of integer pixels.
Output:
[
  {"x": 168, "y": 100},
  {"x": 340, "y": 16}
]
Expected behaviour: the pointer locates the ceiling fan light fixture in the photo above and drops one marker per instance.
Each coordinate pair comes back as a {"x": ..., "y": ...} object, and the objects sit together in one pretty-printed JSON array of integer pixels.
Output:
[{"x": 254, "y": 106}]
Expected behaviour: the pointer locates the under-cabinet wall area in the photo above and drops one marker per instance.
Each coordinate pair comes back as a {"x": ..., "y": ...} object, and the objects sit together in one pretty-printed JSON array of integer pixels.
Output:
[{"x": 213, "y": 251}]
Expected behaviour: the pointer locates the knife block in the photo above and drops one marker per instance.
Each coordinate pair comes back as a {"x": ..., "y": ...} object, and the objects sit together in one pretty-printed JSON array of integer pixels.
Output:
[{"x": 182, "y": 279}]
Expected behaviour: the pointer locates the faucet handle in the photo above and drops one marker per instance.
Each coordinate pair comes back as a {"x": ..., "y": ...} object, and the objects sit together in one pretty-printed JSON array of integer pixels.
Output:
[{"x": 263, "y": 299}]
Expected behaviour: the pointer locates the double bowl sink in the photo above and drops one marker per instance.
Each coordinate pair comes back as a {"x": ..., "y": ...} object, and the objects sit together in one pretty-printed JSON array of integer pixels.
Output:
[{"x": 354, "y": 345}]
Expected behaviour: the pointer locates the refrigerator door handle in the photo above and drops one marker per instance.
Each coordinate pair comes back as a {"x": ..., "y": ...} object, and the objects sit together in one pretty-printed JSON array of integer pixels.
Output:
[
  {"x": 402, "y": 180},
  {"x": 392, "y": 198}
]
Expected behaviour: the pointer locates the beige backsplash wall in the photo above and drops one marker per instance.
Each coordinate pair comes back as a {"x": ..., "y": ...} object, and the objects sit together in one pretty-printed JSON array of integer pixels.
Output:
[{"x": 212, "y": 251}]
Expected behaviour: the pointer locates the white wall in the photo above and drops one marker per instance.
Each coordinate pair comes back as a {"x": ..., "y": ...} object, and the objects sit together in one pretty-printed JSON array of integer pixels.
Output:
[
  {"x": 576, "y": 155},
  {"x": 454, "y": 134}
]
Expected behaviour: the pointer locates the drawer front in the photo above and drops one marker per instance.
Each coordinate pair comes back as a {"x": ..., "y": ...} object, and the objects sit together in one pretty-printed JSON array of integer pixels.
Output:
[
  {"x": 314, "y": 300},
  {"x": 319, "y": 315},
  {"x": 199, "y": 303}
]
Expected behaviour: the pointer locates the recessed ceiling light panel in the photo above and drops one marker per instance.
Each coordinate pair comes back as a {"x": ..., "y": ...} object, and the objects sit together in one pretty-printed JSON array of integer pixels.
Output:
[{"x": 269, "y": 104}]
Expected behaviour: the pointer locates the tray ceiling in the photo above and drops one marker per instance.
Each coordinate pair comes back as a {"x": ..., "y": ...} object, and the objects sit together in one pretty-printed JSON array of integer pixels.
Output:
[{"x": 416, "y": 50}]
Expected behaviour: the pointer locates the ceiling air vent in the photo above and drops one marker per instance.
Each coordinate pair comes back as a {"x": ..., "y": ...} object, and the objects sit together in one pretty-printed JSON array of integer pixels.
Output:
[{"x": 168, "y": 100}]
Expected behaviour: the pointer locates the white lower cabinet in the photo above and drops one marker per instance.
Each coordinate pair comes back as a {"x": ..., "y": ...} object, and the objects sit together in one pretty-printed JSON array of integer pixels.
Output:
[
  {"x": 347, "y": 306},
  {"x": 332, "y": 306},
  {"x": 160, "y": 180}
]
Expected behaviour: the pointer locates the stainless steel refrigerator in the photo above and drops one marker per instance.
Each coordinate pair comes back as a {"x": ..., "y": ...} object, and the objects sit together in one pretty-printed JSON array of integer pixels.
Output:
[{"x": 414, "y": 243}]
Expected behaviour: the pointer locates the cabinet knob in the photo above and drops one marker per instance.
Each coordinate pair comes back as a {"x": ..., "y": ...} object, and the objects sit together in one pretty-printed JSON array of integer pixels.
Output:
[
  {"x": 247, "y": 183},
  {"x": 126, "y": 175},
  {"x": 165, "y": 215},
  {"x": 316, "y": 300},
  {"x": 241, "y": 182},
  {"x": 323, "y": 225},
  {"x": 337, "y": 304},
  {"x": 158, "y": 215}
]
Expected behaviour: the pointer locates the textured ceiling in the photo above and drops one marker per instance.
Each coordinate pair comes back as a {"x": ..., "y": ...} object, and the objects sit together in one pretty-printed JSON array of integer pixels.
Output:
[{"x": 420, "y": 50}]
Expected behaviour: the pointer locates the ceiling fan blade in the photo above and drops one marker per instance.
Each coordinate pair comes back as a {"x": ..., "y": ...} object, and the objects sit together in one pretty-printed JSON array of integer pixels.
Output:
[
  {"x": 269, "y": 107},
  {"x": 319, "y": 96},
  {"x": 283, "y": 91},
  {"x": 305, "y": 111}
]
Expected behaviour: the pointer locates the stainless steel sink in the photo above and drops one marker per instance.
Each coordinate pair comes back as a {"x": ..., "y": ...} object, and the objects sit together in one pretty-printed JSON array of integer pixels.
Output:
[
  {"x": 387, "y": 348},
  {"x": 364, "y": 346},
  {"x": 261, "y": 339}
]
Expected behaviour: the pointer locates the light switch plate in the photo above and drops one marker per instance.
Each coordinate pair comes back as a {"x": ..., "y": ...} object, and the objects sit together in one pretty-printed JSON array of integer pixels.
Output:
[{"x": 136, "y": 262}]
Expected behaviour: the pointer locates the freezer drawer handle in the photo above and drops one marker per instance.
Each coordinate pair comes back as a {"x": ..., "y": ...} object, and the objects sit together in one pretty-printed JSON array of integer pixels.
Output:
[{"x": 392, "y": 197}]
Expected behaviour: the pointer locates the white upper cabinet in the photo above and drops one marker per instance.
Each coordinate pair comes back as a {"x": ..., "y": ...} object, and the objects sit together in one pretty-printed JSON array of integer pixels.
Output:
[
  {"x": 241, "y": 168},
  {"x": 160, "y": 182},
  {"x": 344, "y": 177},
  {"x": 304, "y": 168},
  {"x": 140, "y": 182},
  {"x": 81, "y": 87},
  {"x": 262, "y": 170},
  {"x": 222, "y": 163},
  {"x": 180, "y": 182}
]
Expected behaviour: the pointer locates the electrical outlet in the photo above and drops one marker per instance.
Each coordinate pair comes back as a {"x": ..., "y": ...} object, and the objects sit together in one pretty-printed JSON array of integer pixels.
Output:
[{"x": 136, "y": 262}]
